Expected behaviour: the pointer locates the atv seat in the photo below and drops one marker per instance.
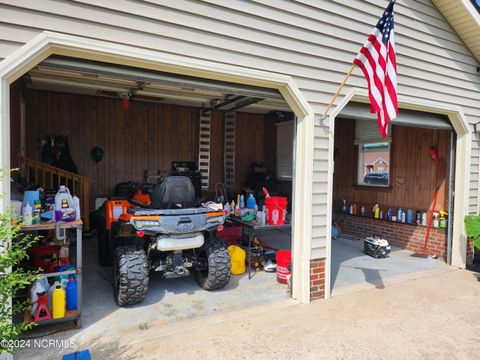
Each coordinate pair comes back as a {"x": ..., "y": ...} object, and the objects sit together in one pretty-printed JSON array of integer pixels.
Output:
[{"x": 175, "y": 192}]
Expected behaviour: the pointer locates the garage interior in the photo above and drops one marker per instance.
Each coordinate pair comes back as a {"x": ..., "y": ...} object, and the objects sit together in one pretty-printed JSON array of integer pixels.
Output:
[
  {"x": 125, "y": 125},
  {"x": 373, "y": 179}
]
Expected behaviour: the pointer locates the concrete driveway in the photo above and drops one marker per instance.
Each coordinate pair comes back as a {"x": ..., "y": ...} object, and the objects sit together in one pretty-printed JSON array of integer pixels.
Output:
[{"x": 430, "y": 317}]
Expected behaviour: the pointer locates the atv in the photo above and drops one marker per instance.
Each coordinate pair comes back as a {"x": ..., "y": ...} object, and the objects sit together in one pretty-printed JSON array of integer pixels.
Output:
[{"x": 165, "y": 231}]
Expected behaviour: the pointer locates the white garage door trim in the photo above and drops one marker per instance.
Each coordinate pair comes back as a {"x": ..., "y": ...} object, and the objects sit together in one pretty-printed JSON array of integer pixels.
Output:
[
  {"x": 49, "y": 43},
  {"x": 462, "y": 161}
]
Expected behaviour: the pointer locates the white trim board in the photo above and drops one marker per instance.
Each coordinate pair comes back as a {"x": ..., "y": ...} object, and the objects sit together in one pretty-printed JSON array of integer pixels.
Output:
[
  {"x": 49, "y": 43},
  {"x": 462, "y": 162}
]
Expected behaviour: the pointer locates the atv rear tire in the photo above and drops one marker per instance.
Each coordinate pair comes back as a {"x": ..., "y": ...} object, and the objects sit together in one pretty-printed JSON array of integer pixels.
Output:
[
  {"x": 130, "y": 275},
  {"x": 217, "y": 274},
  {"x": 103, "y": 239}
]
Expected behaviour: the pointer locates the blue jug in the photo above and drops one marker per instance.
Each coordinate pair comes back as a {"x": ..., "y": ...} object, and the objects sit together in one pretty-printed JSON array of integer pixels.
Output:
[{"x": 71, "y": 294}]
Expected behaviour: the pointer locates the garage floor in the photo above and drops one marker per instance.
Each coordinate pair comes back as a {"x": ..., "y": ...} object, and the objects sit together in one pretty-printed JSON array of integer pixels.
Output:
[
  {"x": 352, "y": 269},
  {"x": 168, "y": 301}
]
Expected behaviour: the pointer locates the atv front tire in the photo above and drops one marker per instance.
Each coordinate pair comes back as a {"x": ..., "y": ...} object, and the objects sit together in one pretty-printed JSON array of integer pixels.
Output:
[
  {"x": 130, "y": 275},
  {"x": 217, "y": 274}
]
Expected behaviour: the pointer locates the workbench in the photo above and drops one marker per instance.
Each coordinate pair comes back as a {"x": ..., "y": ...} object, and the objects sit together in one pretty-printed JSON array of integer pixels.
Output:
[
  {"x": 73, "y": 315},
  {"x": 250, "y": 229}
]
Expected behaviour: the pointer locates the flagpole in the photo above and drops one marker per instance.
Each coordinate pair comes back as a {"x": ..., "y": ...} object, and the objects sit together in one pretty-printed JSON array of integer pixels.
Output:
[{"x": 339, "y": 89}]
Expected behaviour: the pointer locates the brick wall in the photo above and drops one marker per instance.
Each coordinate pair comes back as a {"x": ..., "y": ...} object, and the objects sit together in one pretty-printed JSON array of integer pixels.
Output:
[
  {"x": 469, "y": 251},
  {"x": 407, "y": 236},
  {"x": 317, "y": 279}
]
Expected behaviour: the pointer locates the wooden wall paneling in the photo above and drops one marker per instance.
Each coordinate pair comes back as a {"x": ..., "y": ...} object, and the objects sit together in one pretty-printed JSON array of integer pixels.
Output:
[
  {"x": 413, "y": 173},
  {"x": 146, "y": 136},
  {"x": 248, "y": 144}
]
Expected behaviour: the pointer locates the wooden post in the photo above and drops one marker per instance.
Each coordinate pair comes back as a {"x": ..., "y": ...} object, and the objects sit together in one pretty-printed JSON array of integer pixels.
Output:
[{"x": 338, "y": 91}]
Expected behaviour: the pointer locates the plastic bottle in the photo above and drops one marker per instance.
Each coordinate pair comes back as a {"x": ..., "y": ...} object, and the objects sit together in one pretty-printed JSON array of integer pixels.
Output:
[
  {"x": 71, "y": 294},
  {"x": 251, "y": 202},
  {"x": 381, "y": 214},
  {"x": 255, "y": 209},
  {"x": 63, "y": 199},
  {"x": 443, "y": 219},
  {"x": 389, "y": 215},
  {"x": 227, "y": 209},
  {"x": 418, "y": 218},
  {"x": 50, "y": 291},
  {"x": 58, "y": 302},
  {"x": 76, "y": 206},
  {"x": 37, "y": 210},
  {"x": 404, "y": 217},
  {"x": 399, "y": 215},
  {"x": 436, "y": 222},
  {"x": 344, "y": 207},
  {"x": 376, "y": 211},
  {"x": 424, "y": 219},
  {"x": 355, "y": 209},
  {"x": 27, "y": 214},
  {"x": 351, "y": 209},
  {"x": 410, "y": 216},
  {"x": 362, "y": 210},
  {"x": 242, "y": 202}
]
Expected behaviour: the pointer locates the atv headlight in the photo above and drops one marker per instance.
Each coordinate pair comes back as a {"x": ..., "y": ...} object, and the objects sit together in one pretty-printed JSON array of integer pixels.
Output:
[
  {"x": 215, "y": 220},
  {"x": 140, "y": 224}
]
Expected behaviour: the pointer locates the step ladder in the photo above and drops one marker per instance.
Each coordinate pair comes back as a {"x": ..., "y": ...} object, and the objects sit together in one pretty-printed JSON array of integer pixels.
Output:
[
  {"x": 204, "y": 149},
  {"x": 229, "y": 152}
]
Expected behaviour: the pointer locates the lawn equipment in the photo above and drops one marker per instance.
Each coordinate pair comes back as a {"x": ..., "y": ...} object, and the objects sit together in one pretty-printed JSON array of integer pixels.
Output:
[{"x": 166, "y": 231}]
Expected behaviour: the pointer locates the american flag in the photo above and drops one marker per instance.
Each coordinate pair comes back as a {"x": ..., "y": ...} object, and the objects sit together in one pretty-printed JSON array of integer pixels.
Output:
[{"x": 378, "y": 62}]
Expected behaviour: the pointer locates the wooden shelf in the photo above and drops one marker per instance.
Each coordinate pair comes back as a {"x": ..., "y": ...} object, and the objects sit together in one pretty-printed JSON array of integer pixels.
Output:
[
  {"x": 69, "y": 315},
  {"x": 52, "y": 225}
]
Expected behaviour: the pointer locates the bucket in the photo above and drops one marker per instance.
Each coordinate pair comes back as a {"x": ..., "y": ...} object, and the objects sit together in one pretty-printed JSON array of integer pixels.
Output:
[
  {"x": 284, "y": 260},
  {"x": 276, "y": 210}
]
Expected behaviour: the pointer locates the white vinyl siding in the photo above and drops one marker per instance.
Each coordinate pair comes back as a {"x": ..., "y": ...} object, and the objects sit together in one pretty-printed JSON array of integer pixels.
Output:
[{"x": 312, "y": 41}]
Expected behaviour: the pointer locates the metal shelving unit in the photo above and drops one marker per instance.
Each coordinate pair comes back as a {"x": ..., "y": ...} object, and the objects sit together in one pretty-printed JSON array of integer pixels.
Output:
[{"x": 77, "y": 225}]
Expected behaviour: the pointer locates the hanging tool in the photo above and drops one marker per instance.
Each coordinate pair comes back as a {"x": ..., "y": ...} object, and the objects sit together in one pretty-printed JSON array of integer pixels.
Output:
[{"x": 434, "y": 154}]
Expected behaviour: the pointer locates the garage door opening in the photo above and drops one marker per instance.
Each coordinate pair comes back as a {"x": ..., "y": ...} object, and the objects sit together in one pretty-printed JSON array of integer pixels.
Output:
[
  {"x": 109, "y": 132},
  {"x": 389, "y": 189}
]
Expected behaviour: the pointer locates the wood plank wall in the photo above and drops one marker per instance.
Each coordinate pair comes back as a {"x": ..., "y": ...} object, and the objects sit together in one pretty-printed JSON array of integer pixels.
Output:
[
  {"x": 414, "y": 177},
  {"x": 146, "y": 136}
]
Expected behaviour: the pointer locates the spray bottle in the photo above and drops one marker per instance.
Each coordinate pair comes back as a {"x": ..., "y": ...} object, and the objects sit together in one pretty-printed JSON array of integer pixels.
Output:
[
  {"x": 376, "y": 211},
  {"x": 443, "y": 219}
]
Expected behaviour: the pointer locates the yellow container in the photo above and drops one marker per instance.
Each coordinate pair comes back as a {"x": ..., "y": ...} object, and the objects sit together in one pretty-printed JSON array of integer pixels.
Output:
[
  {"x": 58, "y": 302},
  {"x": 237, "y": 257}
]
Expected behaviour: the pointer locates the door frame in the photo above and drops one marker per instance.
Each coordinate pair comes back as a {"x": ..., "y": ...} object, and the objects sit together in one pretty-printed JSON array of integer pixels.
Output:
[
  {"x": 50, "y": 43},
  {"x": 462, "y": 165}
]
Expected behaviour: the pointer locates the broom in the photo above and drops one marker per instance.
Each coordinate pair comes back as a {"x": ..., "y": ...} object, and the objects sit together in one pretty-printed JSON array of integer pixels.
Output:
[{"x": 424, "y": 253}]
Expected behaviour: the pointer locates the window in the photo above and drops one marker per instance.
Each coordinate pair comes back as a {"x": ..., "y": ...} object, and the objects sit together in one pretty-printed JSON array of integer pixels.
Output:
[
  {"x": 373, "y": 155},
  {"x": 285, "y": 150}
]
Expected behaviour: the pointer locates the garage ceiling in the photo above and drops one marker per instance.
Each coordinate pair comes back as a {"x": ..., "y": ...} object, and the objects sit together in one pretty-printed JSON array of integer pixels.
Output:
[{"x": 70, "y": 75}]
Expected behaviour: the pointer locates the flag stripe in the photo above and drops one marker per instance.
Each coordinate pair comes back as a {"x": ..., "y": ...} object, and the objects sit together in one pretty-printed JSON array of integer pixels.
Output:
[{"x": 377, "y": 60}]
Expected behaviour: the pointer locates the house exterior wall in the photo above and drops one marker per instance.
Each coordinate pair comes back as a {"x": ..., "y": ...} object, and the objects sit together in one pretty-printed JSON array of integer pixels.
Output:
[{"x": 312, "y": 41}]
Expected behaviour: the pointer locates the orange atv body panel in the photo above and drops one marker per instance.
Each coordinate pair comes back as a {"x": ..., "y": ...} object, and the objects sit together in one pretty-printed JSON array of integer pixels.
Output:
[
  {"x": 113, "y": 210},
  {"x": 142, "y": 197}
]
